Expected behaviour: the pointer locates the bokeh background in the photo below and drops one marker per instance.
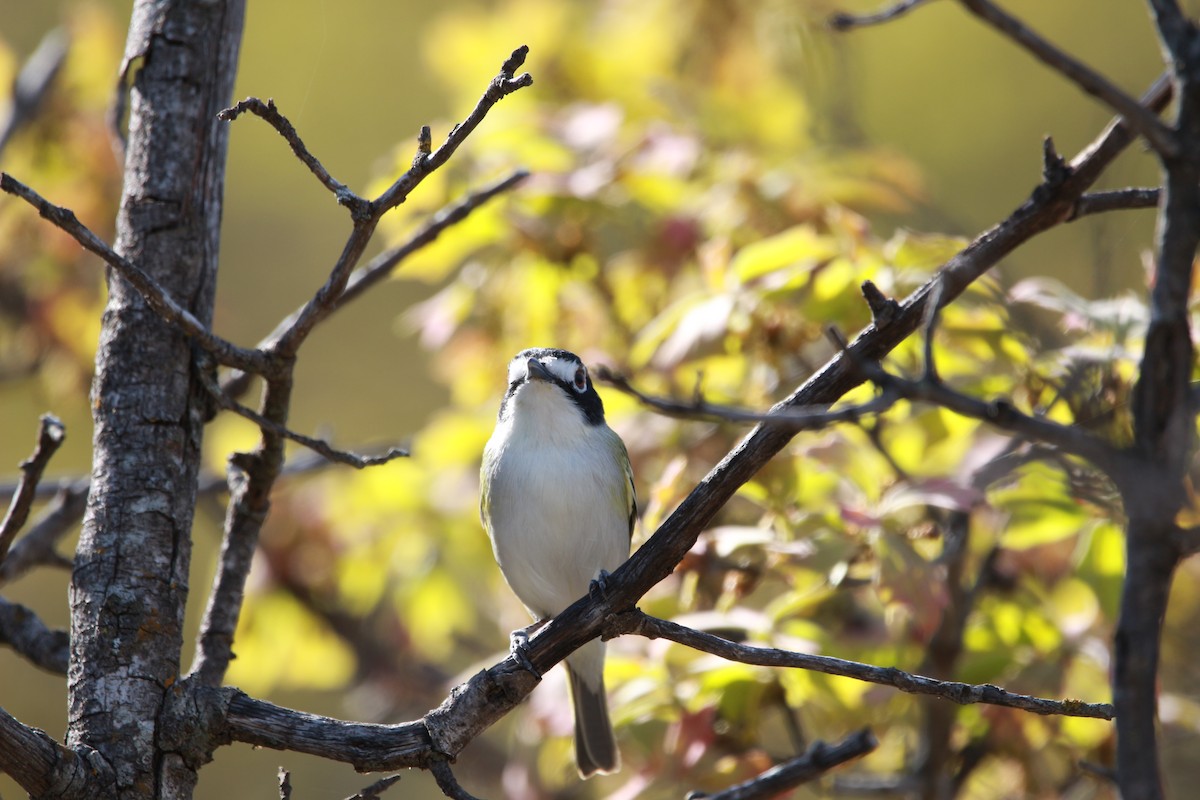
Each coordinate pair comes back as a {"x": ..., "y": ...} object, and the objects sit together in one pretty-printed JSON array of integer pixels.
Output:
[{"x": 954, "y": 112}]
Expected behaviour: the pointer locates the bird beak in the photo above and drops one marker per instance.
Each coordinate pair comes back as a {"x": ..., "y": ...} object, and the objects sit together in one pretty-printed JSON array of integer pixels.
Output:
[{"x": 537, "y": 371}]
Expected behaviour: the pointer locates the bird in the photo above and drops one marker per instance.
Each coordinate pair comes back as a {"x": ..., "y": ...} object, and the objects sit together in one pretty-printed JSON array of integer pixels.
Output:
[{"x": 558, "y": 501}]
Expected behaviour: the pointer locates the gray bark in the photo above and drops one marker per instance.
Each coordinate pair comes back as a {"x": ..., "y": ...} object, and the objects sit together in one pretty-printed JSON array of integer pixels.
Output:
[{"x": 129, "y": 586}]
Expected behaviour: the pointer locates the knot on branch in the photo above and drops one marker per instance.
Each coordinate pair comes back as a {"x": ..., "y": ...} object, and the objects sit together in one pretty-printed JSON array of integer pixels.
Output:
[
  {"x": 883, "y": 308},
  {"x": 192, "y": 722}
]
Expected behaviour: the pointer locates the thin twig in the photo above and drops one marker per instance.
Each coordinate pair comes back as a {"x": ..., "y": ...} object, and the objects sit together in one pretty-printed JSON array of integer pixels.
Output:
[
  {"x": 845, "y": 22},
  {"x": 815, "y": 762},
  {"x": 271, "y": 115},
  {"x": 699, "y": 408},
  {"x": 285, "y": 784},
  {"x": 447, "y": 782},
  {"x": 33, "y": 83},
  {"x": 640, "y": 624},
  {"x": 37, "y": 546},
  {"x": 24, "y": 632},
  {"x": 50, "y": 438},
  {"x": 382, "y": 265},
  {"x": 376, "y": 789},
  {"x": 1115, "y": 200},
  {"x": 324, "y": 301},
  {"x": 223, "y": 351},
  {"x": 319, "y": 446},
  {"x": 1145, "y": 122}
]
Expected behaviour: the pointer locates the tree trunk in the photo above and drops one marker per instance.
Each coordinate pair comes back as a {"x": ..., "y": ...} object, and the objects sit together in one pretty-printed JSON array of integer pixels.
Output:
[{"x": 129, "y": 586}]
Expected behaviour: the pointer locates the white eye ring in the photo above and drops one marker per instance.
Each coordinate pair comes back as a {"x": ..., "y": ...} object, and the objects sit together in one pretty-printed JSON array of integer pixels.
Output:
[{"x": 580, "y": 383}]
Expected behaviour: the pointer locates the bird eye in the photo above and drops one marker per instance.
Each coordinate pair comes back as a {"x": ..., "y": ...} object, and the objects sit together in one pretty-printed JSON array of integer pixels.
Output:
[{"x": 580, "y": 379}]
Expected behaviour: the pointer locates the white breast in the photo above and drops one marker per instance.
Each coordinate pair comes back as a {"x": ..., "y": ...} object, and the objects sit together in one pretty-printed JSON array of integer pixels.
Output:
[{"x": 556, "y": 506}]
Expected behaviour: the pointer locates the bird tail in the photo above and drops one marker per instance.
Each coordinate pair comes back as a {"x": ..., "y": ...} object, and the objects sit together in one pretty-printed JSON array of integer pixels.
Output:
[{"x": 595, "y": 744}]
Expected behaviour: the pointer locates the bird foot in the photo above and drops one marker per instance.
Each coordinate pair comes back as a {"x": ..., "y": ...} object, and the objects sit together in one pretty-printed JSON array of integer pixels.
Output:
[
  {"x": 598, "y": 588},
  {"x": 518, "y": 645}
]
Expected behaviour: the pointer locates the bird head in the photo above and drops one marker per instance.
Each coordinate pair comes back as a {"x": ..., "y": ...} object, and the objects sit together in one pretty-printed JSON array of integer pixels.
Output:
[{"x": 551, "y": 384}]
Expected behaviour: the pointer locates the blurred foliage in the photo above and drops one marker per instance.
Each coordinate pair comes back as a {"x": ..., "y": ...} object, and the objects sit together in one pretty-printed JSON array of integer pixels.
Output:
[{"x": 693, "y": 232}]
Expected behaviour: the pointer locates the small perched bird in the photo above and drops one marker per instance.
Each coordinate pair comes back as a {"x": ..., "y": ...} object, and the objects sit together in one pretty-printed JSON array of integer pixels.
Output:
[{"x": 558, "y": 503}]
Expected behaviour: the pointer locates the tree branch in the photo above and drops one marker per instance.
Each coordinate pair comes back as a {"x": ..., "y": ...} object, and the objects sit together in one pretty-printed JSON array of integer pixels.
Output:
[
  {"x": 699, "y": 408},
  {"x": 319, "y": 446},
  {"x": 24, "y": 632},
  {"x": 1115, "y": 200},
  {"x": 43, "y": 767},
  {"x": 50, "y": 438},
  {"x": 325, "y": 300},
  {"x": 156, "y": 297},
  {"x": 36, "y": 547},
  {"x": 268, "y": 112},
  {"x": 1147, "y": 124},
  {"x": 815, "y": 762},
  {"x": 637, "y": 623},
  {"x": 376, "y": 789},
  {"x": 845, "y": 22},
  {"x": 385, "y": 263},
  {"x": 447, "y": 782},
  {"x": 33, "y": 83}
]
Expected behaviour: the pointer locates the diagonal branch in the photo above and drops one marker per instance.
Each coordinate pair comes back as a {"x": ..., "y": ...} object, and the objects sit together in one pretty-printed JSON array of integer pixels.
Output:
[
  {"x": 698, "y": 408},
  {"x": 637, "y": 623},
  {"x": 489, "y": 695},
  {"x": 24, "y": 632},
  {"x": 36, "y": 547},
  {"x": 1146, "y": 123},
  {"x": 1115, "y": 200},
  {"x": 845, "y": 22},
  {"x": 269, "y": 113},
  {"x": 39, "y": 764},
  {"x": 815, "y": 762},
  {"x": 33, "y": 83},
  {"x": 380, "y": 267},
  {"x": 156, "y": 297},
  {"x": 319, "y": 446},
  {"x": 425, "y": 163},
  {"x": 50, "y": 438}
]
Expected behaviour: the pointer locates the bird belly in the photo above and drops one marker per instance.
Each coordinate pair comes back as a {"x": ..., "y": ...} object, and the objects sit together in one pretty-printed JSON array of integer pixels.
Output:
[{"x": 555, "y": 522}]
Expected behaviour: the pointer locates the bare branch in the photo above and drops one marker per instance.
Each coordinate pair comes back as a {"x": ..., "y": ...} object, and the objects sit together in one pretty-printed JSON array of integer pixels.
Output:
[
  {"x": 1146, "y": 123},
  {"x": 376, "y": 789},
  {"x": 1048, "y": 206},
  {"x": 39, "y": 764},
  {"x": 380, "y": 267},
  {"x": 504, "y": 84},
  {"x": 268, "y": 112},
  {"x": 24, "y": 632},
  {"x": 33, "y": 83},
  {"x": 383, "y": 264},
  {"x": 635, "y": 622},
  {"x": 447, "y": 782},
  {"x": 845, "y": 22},
  {"x": 698, "y": 408},
  {"x": 325, "y": 299},
  {"x": 243, "y": 520},
  {"x": 223, "y": 351},
  {"x": 50, "y": 438},
  {"x": 1174, "y": 29},
  {"x": 365, "y": 746},
  {"x": 285, "y": 784},
  {"x": 1004, "y": 415},
  {"x": 883, "y": 308},
  {"x": 316, "y": 445},
  {"x": 815, "y": 762},
  {"x": 36, "y": 547},
  {"x": 1115, "y": 200}
]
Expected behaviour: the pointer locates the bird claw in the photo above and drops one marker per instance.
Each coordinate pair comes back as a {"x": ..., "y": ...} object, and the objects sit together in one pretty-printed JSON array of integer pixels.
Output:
[
  {"x": 598, "y": 588},
  {"x": 518, "y": 646}
]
